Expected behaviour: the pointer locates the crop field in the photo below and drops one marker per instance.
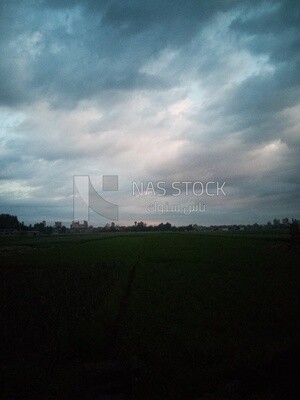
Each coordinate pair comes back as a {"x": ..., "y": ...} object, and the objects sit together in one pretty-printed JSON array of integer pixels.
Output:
[{"x": 149, "y": 316}]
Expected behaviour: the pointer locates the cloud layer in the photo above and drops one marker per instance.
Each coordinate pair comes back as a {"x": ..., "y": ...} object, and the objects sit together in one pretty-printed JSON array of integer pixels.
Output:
[{"x": 150, "y": 91}]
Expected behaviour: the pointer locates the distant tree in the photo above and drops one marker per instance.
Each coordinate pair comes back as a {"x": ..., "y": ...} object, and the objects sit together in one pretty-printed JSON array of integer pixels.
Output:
[
  {"x": 106, "y": 227},
  {"x": 164, "y": 227},
  {"x": 63, "y": 229},
  {"x": 276, "y": 222},
  {"x": 42, "y": 228},
  {"x": 168, "y": 226},
  {"x": 141, "y": 226},
  {"x": 39, "y": 227},
  {"x": 48, "y": 230},
  {"x": 8, "y": 221},
  {"x": 294, "y": 229},
  {"x": 160, "y": 227}
]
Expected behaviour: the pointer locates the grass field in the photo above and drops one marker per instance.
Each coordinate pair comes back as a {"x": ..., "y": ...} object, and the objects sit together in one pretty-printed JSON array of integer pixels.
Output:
[{"x": 149, "y": 316}]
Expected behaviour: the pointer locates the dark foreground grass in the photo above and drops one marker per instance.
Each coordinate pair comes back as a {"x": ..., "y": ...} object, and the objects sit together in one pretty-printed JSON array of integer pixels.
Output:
[
  {"x": 163, "y": 316},
  {"x": 55, "y": 316}
]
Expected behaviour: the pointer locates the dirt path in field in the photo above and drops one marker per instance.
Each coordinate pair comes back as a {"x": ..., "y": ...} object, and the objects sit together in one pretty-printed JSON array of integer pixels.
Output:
[
  {"x": 112, "y": 379},
  {"x": 123, "y": 308}
]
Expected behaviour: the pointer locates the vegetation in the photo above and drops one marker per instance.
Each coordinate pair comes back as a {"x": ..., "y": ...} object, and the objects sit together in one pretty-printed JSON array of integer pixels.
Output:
[
  {"x": 8, "y": 221},
  {"x": 149, "y": 315}
]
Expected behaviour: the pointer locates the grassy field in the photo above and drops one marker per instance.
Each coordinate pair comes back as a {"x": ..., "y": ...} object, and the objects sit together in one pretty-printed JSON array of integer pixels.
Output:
[{"x": 149, "y": 316}]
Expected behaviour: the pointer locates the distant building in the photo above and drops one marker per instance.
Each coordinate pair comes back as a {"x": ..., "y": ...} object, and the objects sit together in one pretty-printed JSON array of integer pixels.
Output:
[
  {"x": 57, "y": 224},
  {"x": 44, "y": 223},
  {"x": 77, "y": 226},
  {"x": 285, "y": 221}
]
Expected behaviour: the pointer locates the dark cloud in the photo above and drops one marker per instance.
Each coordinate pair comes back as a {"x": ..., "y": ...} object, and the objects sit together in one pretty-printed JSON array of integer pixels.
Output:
[
  {"x": 86, "y": 47},
  {"x": 273, "y": 31},
  {"x": 156, "y": 89}
]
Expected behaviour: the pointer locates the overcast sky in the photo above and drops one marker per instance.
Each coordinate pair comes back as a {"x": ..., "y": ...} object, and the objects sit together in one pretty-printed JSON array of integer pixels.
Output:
[{"x": 150, "y": 91}]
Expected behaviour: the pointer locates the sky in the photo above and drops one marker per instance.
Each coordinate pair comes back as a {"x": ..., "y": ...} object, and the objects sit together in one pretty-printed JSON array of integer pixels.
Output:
[{"x": 152, "y": 91}]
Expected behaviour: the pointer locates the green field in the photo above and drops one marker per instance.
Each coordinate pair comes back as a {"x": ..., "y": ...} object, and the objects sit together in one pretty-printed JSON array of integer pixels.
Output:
[{"x": 149, "y": 316}]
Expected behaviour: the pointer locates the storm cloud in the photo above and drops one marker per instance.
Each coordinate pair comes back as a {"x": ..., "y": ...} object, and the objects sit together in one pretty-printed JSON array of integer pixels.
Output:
[{"x": 150, "y": 91}]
